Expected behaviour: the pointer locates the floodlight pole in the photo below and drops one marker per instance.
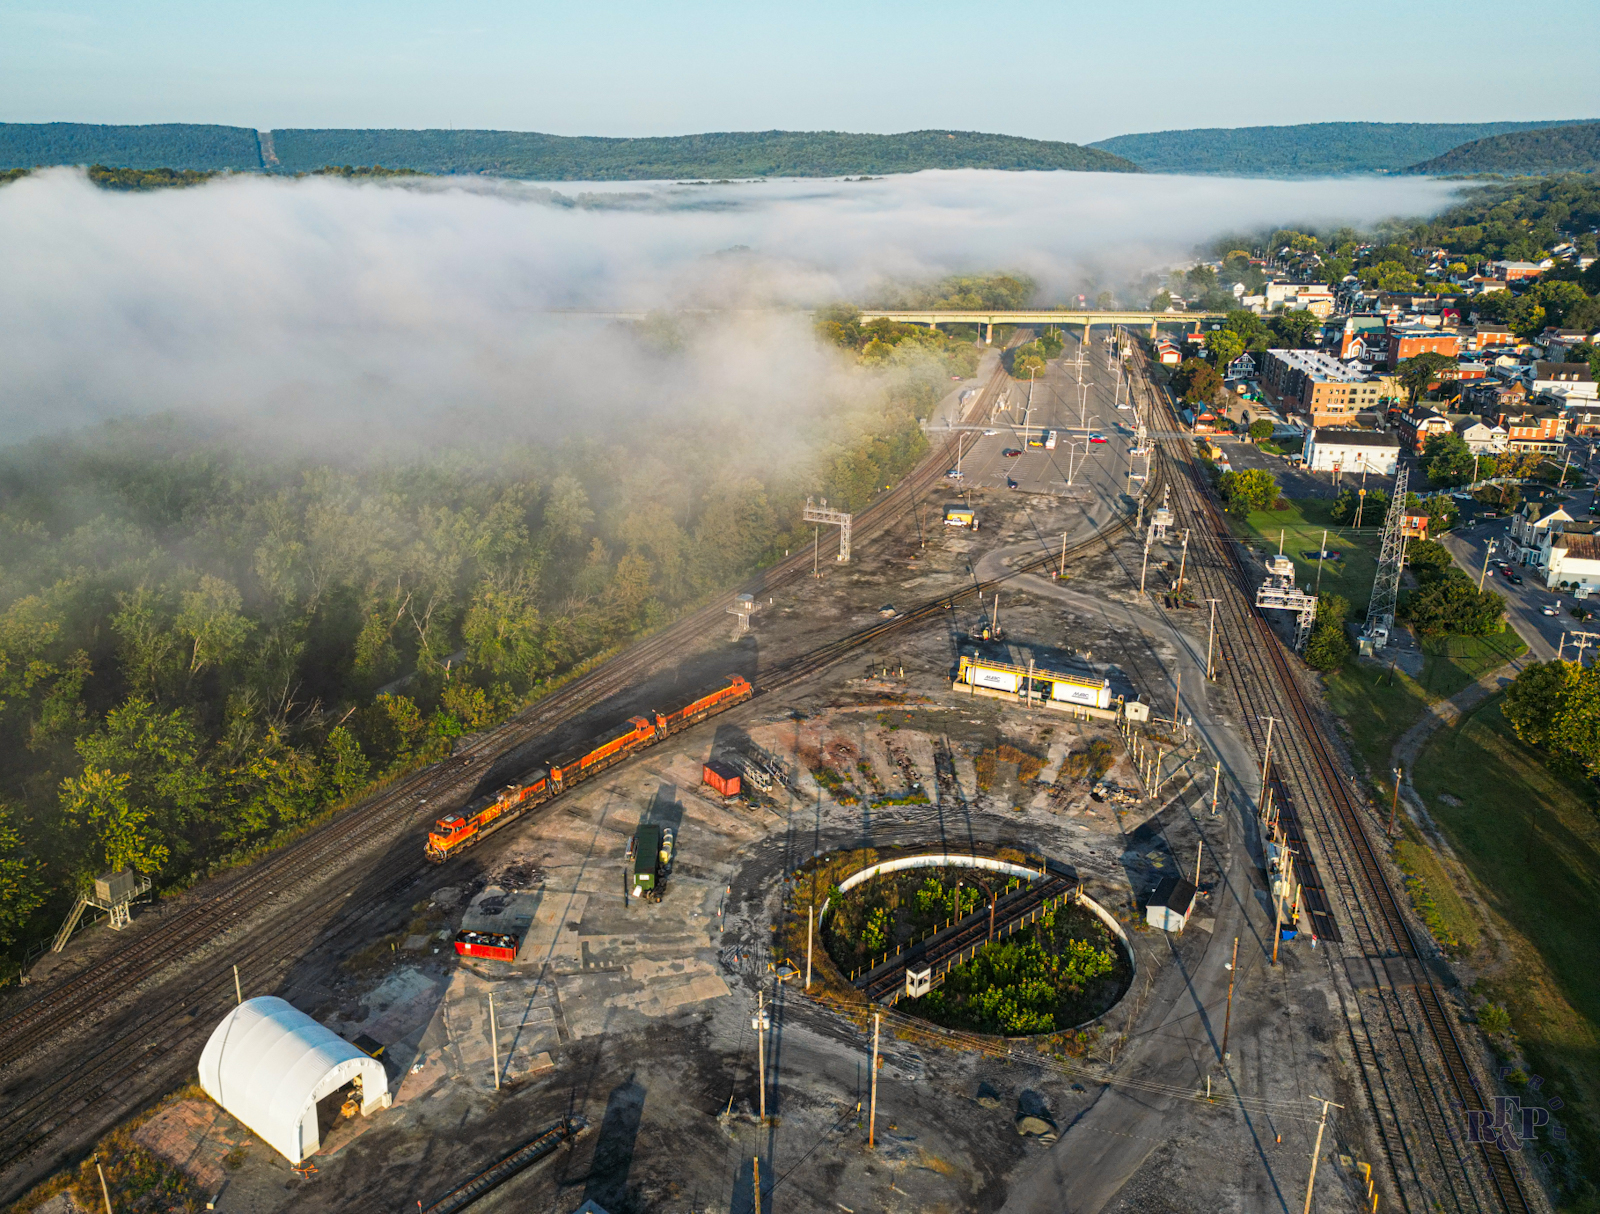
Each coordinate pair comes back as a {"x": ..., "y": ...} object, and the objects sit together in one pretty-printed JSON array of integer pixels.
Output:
[
  {"x": 1211, "y": 635},
  {"x": 494, "y": 1042},
  {"x": 1394, "y": 806},
  {"x": 1317, "y": 1149}
]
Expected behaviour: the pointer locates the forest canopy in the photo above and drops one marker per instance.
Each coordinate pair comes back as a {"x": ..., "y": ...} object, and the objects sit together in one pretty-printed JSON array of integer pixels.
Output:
[{"x": 206, "y": 642}]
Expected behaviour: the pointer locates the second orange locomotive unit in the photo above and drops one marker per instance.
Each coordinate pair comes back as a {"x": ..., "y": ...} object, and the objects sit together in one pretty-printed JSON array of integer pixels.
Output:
[{"x": 458, "y": 831}]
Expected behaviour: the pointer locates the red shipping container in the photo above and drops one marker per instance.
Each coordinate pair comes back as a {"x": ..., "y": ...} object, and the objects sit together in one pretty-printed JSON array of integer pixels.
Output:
[
  {"x": 500, "y": 946},
  {"x": 722, "y": 777}
]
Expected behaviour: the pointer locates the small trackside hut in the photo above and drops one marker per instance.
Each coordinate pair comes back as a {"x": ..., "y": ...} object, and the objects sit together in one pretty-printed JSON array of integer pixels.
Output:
[
  {"x": 1171, "y": 904},
  {"x": 648, "y": 860},
  {"x": 724, "y": 777},
  {"x": 960, "y": 516}
]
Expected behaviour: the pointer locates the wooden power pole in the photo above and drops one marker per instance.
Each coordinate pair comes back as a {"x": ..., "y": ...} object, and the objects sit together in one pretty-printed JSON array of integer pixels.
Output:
[
  {"x": 1317, "y": 1149},
  {"x": 1227, "y": 1017},
  {"x": 872, "y": 1115}
]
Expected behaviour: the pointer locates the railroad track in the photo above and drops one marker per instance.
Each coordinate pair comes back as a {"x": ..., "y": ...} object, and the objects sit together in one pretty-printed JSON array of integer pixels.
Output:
[
  {"x": 882, "y": 981},
  {"x": 1316, "y": 794},
  {"x": 293, "y": 900}
]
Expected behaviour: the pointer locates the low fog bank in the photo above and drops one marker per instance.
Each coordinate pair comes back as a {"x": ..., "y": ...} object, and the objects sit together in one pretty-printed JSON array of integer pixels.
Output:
[{"x": 371, "y": 312}]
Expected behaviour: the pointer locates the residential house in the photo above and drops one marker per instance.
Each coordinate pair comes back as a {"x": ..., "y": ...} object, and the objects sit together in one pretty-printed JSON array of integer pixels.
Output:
[
  {"x": 1533, "y": 428},
  {"x": 1566, "y": 381},
  {"x": 1481, "y": 437},
  {"x": 1482, "y": 284},
  {"x": 1559, "y": 343},
  {"x": 1533, "y": 525},
  {"x": 1414, "y": 526},
  {"x": 1583, "y": 417},
  {"x": 1326, "y": 390},
  {"x": 1337, "y": 450},
  {"x": 1573, "y": 561},
  {"x": 1167, "y": 352},
  {"x": 1409, "y": 342},
  {"x": 1415, "y": 424},
  {"x": 1243, "y": 367}
]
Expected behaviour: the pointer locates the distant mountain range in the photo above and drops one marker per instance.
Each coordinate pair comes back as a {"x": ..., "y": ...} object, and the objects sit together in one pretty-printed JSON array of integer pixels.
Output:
[
  {"x": 542, "y": 157},
  {"x": 1312, "y": 150},
  {"x": 1327, "y": 148},
  {"x": 1561, "y": 149}
]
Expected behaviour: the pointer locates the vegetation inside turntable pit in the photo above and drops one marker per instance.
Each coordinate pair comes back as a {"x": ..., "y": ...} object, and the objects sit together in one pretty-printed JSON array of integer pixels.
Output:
[
  {"x": 1061, "y": 970},
  {"x": 204, "y": 649}
]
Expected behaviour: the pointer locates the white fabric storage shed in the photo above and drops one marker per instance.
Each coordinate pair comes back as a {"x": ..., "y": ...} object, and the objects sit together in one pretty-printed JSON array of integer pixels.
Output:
[{"x": 268, "y": 1064}]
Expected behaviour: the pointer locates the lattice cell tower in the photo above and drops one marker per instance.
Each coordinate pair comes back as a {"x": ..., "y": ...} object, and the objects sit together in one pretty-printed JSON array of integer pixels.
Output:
[{"x": 1386, "y": 586}]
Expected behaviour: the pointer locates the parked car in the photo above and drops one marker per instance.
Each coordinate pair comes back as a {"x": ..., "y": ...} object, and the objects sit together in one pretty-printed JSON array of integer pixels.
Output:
[
  {"x": 1011, "y": 452},
  {"x": 1514, "y": 578},
  {"x": 1096, "y": 437},
  {"x": 1011, "y": 483},
  {"x": 955, "y": 474},
  {"x": 987, "y": 432},
  {"x": 1551, "y": 609}
]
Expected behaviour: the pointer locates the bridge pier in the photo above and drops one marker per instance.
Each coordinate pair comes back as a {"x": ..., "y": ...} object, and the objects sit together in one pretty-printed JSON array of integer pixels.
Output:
[
  {"x": 988, "y": 335},
  {"x": 1152, "y": 330},
  {"x": 1086, "y": 327},
  {"x": 933, "y": 325}
]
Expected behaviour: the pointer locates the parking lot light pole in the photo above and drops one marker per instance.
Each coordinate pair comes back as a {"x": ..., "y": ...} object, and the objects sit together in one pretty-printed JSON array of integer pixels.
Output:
[{"x": 1487, "y": 552}]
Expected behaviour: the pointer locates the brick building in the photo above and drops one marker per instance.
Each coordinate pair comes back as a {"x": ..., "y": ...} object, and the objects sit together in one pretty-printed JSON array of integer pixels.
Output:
[
  {"x": 1318, "y": 385},
  {"x": 1408, "y": 343}
]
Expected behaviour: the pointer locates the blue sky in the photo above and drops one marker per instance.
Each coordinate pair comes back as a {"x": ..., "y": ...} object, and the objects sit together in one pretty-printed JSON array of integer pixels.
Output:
[{"x": 1075, "y": 71}]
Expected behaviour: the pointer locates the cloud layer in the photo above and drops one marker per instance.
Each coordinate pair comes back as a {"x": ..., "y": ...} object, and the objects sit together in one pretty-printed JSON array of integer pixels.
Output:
[{"x": 373, "y": 304}]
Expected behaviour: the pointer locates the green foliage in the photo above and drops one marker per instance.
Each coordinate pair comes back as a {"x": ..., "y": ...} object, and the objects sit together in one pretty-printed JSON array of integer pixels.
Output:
[
  {"x": 1223, "y": 346},
  {"x": 1260, "y": 430},
  {"x": 1428, "y": 559},
  {"x": 1295, "y": 326},
  {"x": 1313, "y": 149},
  {"x": 1197, "y": 381},
  {"x": 1452, "y": 604},
  {"x": 1252, "y": 489},
  {"x": 1555, "y": 706},
  {"x": 1447, "y": 459},
  {"x": 173, "y": 145},
  {"x": 147, "y": 179},
  {"x": 1416, "y": 374},
  {"x": 1554, "y": 149},
  {"x": 1494, "y": 1019},
  {"x": 739, "y": 154},
  {"x": 1021, "y": 986},
  {"x": 1328, "y": 648},
  {"x": 22, "y": 888}
]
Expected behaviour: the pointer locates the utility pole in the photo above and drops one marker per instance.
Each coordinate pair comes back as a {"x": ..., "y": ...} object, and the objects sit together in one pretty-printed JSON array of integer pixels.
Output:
[
  {"x": 1199, "y": 850},
  {"x": 1395, "y": 806},
  {"x": 1266, "y": 759},
  {"x": 1216, "y": 786},
  {"x": 1227, "y": 1017},
  {"x": 872, "y": 1115},
  {"x": 755, "y": 1180},
  {"x": 1321, "y": 552},
  {"x": 1063, "y": 554},
  {"x": 494, "y": 1042},
  {"x": 238, "y": 993},
  {"x": 1487, "y": 552},
  {"x": 1211, "y": 636},
  {"x": 761, "y": 1052},
  {"x": 1144, "y": 564},
  {"x": 105, "y": 1189},
  {"x": 1285, "y": 867},
  {"x": 1317, "y": 1150},
  {"x": 1177, "y": 699},
  {"x": 1183, "y": 561},
  {"x": 811, "y": 915}
]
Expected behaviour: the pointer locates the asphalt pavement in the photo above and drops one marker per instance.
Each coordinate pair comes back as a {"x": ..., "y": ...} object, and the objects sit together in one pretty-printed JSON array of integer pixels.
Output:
[{"x": 1525, "y": 604}]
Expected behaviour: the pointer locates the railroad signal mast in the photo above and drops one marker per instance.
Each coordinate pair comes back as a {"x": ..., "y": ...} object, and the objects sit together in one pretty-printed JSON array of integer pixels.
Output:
[{"x": 833, "y": 518}]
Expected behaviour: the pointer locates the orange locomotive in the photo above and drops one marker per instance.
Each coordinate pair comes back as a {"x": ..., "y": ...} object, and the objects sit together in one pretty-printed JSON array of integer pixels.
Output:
[{"x": 456, "y": 832}]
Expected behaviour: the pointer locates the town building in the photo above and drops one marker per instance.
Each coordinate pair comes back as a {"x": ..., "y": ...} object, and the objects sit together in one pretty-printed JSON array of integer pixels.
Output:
[
  {"x": 1533, "y": 526},
  {"x": 1363, "y": 337},
  {"x": 1532, "y": 428},
  {"x": 1583, "y": 417},
  {"x": 1415, "y": 424},
  {"x": 1352, "y": 451},
  {"x": 1167, "y": 352},
  {"x": 1487, "y": 337},
  {"x": 1573, "y": 561},
  {"x": 1481, "y": 437},
  {"x": 1518, "y": 271},
  {"x": 1409, "y": 342},
  {"x": 1326, "y": 390},
  {"x": 1568, "y": 381}
]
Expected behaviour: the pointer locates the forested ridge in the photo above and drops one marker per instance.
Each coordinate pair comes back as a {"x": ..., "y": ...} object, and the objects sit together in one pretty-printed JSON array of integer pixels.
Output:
[
  {"x": 205, "y": 646},
  {"x": 1305, "y": 150},
  {"x": 1563, "y": 149},
  {"x": 529, "y": 154}
]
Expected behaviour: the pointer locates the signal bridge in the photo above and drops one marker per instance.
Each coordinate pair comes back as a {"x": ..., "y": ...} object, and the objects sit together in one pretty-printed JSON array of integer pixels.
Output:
[{"x": 1279, "y": 593}]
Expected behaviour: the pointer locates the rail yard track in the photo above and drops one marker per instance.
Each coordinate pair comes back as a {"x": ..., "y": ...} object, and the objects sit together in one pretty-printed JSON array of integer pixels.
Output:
[
  {"x": 265, "y": 915},
  {"x": 1417, "y": 1079}
]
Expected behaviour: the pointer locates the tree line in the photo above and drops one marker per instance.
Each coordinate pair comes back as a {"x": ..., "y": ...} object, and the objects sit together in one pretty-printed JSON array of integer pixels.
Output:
[{"x": 203, "y": 649}]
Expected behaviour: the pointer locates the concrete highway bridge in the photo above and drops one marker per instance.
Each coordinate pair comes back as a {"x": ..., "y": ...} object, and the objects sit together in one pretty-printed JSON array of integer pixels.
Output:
[{"x": 935, "y": 317}]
